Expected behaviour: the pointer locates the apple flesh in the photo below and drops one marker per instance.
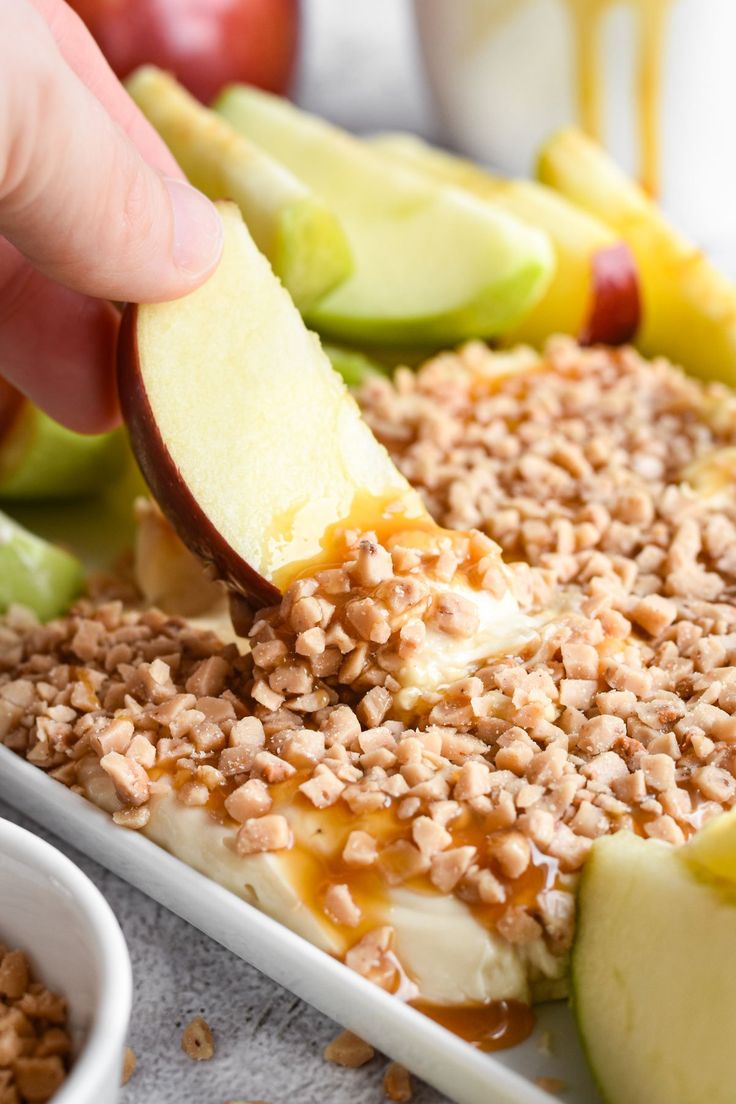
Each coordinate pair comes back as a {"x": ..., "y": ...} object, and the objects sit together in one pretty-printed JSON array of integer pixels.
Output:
[
  {"x": 34, "y": 573},
  {"x": 594, "y": 294},
  {"x": 654, "y": 974},
  {"x": 712, "y": 850},
  {"x": 432, "y": 264},
  {"x": 251, "y": 443},
  {"x": 688, "y": 306},
  {"x": 40, "y": 459},
  {"x": 294, "y": 228},
  {"x": 168, "y": 574},
  {"x": 205, "y": 43}
]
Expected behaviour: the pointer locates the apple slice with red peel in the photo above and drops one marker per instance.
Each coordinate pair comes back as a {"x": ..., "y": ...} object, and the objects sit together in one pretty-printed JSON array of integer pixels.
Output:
[
  {"x": 615, "y": 305},
  {"x": 688, "y": 306},
  {"x": 168, "y": 574},
  {"x": 250, "y": 442}
]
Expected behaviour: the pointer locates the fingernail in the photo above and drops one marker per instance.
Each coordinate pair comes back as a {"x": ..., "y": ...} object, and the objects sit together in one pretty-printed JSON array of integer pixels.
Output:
[{"x": 198, "y": 231}]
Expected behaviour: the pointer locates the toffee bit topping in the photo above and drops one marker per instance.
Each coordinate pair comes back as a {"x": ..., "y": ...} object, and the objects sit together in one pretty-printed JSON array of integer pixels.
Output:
[
  {"x": 550, "y": 1084},
  {"x": 617, "y": 709}
]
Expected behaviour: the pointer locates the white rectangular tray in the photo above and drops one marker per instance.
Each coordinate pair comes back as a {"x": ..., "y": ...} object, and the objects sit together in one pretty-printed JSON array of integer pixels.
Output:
[{"x": 453, "y": 1066}]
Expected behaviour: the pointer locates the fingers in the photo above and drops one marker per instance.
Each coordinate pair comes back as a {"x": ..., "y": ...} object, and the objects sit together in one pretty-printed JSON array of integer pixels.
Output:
[
  {"x": 83, "y": 55},
  {"x": 76, "y": 198},
  {"x": 57, "y": 346}
]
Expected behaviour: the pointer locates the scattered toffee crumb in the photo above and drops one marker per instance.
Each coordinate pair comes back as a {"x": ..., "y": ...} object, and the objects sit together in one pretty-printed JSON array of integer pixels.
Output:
[
  {"x": 129, "y": 1065},
  {"x": 197, "y": 1041},
  {"x": 348, "y": 1050}
]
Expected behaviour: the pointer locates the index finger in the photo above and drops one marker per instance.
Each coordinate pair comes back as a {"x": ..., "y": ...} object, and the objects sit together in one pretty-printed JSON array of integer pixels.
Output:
[{"x": 83, "y": 55}]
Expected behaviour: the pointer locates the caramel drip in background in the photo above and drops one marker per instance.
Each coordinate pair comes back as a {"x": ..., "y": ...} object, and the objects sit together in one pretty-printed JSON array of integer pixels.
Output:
[
  {"x": 651, "y": 22},
  {"x": 586, "y": 20}
]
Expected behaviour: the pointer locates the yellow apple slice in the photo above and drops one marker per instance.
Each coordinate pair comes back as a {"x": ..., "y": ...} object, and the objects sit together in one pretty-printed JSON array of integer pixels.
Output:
[
  {"x": 654, "y": 975},
  {"x": 432, "y": 264},
  {"x": 251, "y": 443},
  {"x": 595, "y": 291},
  {"x": 688, "y": 306},
  {"x": 712, "y": 850},
  {"x": 297, "y": 231}
]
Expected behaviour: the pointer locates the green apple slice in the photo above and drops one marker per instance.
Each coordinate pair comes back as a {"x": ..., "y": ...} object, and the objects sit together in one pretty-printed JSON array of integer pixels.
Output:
[
  {"x": 654, "y": 975},
  {"x": 594, "y": 295},
  {"x": 354, "y": 367},
  {"x": 40, "y": 459},
  {"x": 34, "y": 573},
  {"x": 432, "y": 263},
  {"x": 294, "y": 228},
  {"x": 688, "y": 306}
]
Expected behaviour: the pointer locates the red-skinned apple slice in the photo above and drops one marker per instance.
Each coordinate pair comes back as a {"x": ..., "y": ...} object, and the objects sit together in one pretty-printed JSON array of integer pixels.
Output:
[
  {"x": 688, "y": 305},
  {"x": 616, "y": 302},
  {"x": 250, "y": 442}
]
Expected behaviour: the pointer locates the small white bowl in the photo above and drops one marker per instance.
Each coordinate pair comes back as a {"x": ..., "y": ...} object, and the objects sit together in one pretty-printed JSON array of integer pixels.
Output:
[{"x": 52, "y": 911}]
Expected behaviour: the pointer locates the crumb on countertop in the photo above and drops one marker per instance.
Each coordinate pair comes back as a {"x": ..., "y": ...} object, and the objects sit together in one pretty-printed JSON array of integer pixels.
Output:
[{"x": 197, "y": 1041}]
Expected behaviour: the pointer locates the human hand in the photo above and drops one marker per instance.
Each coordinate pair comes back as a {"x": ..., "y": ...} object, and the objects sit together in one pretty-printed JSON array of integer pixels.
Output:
[{"x": 92, "y": 208}]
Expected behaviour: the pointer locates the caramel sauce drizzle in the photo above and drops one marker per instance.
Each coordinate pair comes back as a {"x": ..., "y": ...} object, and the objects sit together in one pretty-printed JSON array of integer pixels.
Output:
[
  {"x": 315, "y": 862},
  {"x": 492, "y": 1026},
  {"x": 388, "y": 516},
  {"x": 651, "y": 21}
]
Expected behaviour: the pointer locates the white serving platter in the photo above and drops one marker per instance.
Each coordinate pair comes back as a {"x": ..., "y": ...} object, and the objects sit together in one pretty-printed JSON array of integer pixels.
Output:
[{"x": 456, "y": 1068}]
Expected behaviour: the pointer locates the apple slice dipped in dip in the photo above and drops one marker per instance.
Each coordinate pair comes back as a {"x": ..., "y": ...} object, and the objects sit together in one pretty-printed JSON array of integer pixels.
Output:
[
  {"x": 249, "y": 440},
  {"x": 258, "y": 454}
]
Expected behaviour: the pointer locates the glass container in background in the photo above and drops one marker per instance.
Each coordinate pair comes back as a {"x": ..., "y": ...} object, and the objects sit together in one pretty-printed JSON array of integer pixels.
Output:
[{"x": 653, "y": 80}]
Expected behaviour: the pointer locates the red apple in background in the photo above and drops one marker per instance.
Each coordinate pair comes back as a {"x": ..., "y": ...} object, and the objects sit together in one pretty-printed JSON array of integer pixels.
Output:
[{"x": 205, "y": 43}]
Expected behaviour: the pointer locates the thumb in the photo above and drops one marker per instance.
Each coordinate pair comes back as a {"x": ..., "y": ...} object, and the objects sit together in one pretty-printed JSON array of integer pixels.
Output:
[{"x": 76, "y": 197}]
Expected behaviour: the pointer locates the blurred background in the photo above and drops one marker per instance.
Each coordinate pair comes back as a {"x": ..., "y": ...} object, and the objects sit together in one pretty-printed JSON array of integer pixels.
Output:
[{"x": 652, "y": 79}]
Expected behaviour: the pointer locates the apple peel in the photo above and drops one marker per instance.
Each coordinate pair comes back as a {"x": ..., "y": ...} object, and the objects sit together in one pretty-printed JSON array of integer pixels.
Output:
[
  {"x": 616, "y": 302},
  {"x": 250, "y": 442}
]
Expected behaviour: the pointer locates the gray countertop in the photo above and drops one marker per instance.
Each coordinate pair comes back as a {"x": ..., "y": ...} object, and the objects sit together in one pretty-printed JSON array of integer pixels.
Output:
[{"x": 359, "y": 68}]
